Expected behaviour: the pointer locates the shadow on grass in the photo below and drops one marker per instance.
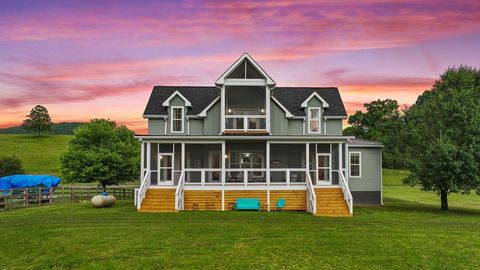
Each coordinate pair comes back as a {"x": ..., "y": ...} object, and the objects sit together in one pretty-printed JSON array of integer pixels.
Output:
[{"x": 403, "y": 205}]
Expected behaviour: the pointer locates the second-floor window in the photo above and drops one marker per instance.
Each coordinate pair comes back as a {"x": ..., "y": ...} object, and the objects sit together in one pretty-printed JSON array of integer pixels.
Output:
[
  {"x": 177, "y": 120},
  {"x": 314, "y": 120}
]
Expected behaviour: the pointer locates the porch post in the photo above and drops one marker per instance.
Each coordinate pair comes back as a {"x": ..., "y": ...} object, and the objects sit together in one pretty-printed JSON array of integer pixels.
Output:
[
  {"x": 340, "y": 158},
  {"x": 307, "y": 159},
  {"x": 347, "y": 162},
  {"x": 149, "y": 156},
  {"x": 267, "y": 108},
  {"x": 142, "y": 162},
  {"x": 183, "y": 158},
  {"x": 268, "y": 163},
  {"x": 223, "y": 164}
]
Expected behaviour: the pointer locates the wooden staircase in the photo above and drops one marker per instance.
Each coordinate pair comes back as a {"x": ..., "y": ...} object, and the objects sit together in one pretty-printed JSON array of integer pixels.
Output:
[
  {"x": 159, "y": 200},
  {"x": 330, "y": 202}
]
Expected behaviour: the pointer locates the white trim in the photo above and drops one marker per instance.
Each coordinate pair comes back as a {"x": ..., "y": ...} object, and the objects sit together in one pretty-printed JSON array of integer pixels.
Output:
[
  {"x": 166, "y": 103},
  {"x": 381, "y": 178},
  {"x": 296, "y": 186},
  {"x": 329, "y": 181},
  {"x": 146, "y": 116},
  {"x": 362, "y": 146},
  {"x": 319, "y": 120},
  {"x": 314, "y": 94},
  {"x": 172, "y": 176},
  {"x": 182, "y": 118},
  {"x": 287, "y": 113},
  {"x": 335, "y": 117},
  {"x": 359, "y": 164},
  {"x": 221, "y": 79},
  {"x": 245, "y": 82},
  {"x": 204, "y": 112},
  {"x": 267, "y": 108}
]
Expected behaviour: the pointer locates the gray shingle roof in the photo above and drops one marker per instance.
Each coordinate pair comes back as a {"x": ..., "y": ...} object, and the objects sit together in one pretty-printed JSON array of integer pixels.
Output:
[
  {"x": 202, "y": 96},
  {"x": 199, "y": 96},
  {"x": 362, "y": 142},
  {"x": 293, "y": 97}
]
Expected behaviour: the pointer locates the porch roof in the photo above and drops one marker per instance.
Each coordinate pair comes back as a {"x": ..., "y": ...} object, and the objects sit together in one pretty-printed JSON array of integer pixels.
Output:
[{"x": 290, "y": 139}]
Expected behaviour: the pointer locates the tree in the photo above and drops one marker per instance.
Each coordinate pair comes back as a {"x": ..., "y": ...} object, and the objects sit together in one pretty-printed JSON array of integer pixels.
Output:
[
  {"x": 10, "y": 166},
  {"x": 101, "y": 152},
  {"x": 38, "y": 120},
  {"x": 381, "y": 122},
  {"x": 444, "y": 131}
]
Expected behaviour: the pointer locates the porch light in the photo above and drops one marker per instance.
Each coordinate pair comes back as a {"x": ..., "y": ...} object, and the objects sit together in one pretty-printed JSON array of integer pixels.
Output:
[
  {"x": 229, "y": 111},
  {"x": 262, "y": 110},
  {"x": 226, "y": 156},
  {"x": 161, "y": 156}
]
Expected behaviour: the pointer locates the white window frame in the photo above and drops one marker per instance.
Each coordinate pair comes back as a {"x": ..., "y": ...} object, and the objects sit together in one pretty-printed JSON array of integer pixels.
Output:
[
  {"x": 359, "y": 164},
  {"x": 172, "y": 109},
  {"x": 319, "y": 120}
]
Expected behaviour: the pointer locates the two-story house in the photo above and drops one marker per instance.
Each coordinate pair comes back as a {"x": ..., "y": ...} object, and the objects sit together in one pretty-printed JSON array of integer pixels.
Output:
[{"x": 244, "y": 137}]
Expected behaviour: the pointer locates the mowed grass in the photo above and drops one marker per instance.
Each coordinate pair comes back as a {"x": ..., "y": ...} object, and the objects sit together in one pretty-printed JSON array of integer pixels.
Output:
[
  {"x": 409, "y": 232},
  {"x": 39, "y": 155}
]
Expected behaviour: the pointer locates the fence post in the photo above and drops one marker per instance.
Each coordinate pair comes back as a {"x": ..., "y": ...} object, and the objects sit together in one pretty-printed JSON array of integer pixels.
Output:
[
  {"x": 50, "y": 199},
  {"x": 63, "y": 194},
  {"x": 72, "y": 194},
  {"x": 11, "y": 199},
  {"x": 25, "y": 197},
  {"x": 39, "y": 196},
  {"x": 124, "y": 194}
]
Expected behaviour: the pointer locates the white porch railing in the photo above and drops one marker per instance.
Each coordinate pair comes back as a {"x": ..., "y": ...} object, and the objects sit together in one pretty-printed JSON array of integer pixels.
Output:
[
  {"x": 179, "y": 193},
  {"x": 142, "y": 190},
  {"x": 347, "y": 195},
  {"x": 311, "y": 197},
  {"x": 245, "y": 122}
]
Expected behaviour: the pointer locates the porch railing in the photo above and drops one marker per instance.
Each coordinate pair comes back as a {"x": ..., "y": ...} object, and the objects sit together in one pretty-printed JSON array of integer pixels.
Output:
[
  {"x": 142, "y": 190},
  {"x": 179, "y": 192},
  {"x": 245, "y": 122},
  {"x": 311, "y": 197},
  {"x": 347, "y": 195}
]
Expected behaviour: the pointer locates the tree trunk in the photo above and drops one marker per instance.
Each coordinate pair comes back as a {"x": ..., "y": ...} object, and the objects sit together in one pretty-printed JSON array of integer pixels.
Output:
[
  {"x": 104, "y": 187},
  {"x": 444, "y": 199}
]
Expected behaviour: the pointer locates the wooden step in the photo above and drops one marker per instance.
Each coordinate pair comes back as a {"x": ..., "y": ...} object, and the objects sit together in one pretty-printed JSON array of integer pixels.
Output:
[
  {"x": 330, "y": 202},
  {"x": 159, "y": 200}
]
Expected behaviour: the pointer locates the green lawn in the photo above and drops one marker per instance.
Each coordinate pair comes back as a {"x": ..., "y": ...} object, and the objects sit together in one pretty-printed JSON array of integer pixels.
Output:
[
  {"x": 39, "y": 155},
  {"x": 409, "y": 232}
]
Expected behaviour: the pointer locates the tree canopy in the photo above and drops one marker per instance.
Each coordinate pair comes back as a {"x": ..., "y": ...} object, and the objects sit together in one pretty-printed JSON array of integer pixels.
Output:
[
  {"x": 443, "y": 128},
  {"x": 38, "y": 120},
  {"x": 101, "y": 152},
  {"x": 382, "y": 121}
]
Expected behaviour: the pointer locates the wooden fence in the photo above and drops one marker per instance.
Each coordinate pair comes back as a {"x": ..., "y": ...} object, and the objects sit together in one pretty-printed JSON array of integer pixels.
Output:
[{"x": 32, "y": 197}]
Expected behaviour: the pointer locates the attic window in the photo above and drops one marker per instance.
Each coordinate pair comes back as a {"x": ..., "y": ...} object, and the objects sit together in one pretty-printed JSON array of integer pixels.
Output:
[
  {"x": 314, "y": 120},
  {"x": 245, "y": 70},
  {"x": 177, "y": 119}
]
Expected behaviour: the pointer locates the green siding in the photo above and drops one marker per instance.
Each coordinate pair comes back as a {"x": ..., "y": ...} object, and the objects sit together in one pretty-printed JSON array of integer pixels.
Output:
[
  {"x": 278, "y": 121},
  {"x": 314, "y": 102},
  {"x": 196, "y": 126},
  {"x": 156, "y": 127},
  {"x": 334, "y": 127},
  {"x": 212, "y": 121},
  {"x": 371, "y": 170},
  {"x": 295, "y": 127}
]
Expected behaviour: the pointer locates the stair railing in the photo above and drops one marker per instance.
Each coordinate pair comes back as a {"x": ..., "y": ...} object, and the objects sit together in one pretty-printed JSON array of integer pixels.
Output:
[
  {"x": 144, "y": 184},
  {"x": 179, "y": 192},
  {"x": 347, "y": 195},
  {"x": 311, "y": 197}
]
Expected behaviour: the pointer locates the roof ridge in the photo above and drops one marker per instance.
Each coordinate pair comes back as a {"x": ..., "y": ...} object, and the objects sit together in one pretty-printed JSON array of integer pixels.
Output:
[
  {"x": 185, "y": 86},
  {"x": 309, "y": 87}
]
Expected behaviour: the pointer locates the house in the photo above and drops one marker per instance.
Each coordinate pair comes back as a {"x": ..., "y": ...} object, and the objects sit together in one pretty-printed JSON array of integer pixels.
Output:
[{"x": 246, "y": 138}]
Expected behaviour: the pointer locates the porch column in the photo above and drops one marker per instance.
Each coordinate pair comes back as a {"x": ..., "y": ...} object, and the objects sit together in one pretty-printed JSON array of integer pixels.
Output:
[
  {"x": 268, "y": 163},
  {"x": 183, "y": 158},
  {"x": 224, "y": 157},
  {"x": 307, "y": 159},
  {"x": 149, "y": 156},
  {"x": 142, "y": 162},
  {"x": 340, "y": 158},
  {"x": 347, "y": 162}
]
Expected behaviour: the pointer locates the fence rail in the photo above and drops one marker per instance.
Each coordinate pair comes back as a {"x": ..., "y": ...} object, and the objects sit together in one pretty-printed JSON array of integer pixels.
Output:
[{"x": 32, "y": 197}]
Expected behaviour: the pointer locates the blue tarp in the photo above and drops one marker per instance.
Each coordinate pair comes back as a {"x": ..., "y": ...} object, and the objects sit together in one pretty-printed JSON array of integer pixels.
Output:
[{"x": 26, "y": 181}]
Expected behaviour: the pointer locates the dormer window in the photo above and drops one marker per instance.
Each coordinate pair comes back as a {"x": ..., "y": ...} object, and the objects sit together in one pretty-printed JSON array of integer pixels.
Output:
[
  {"x": 314, "y": 120},
  {"x": 177, "y": 119}
]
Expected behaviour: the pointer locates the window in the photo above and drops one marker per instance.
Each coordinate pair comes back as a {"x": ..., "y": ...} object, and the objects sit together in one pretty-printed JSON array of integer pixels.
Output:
[
  {"x": 355, "y": 164},
  {"x": 177, "y": 120},
  {"x": 314, "y": 120}
]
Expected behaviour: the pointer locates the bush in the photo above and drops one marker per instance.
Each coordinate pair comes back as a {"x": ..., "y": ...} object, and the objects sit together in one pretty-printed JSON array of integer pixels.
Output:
[{"x": 10, "y": 166}]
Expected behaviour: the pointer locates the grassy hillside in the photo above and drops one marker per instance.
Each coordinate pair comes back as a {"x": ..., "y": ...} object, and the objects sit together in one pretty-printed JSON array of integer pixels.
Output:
[
  {"x": 65, "y": 128},
  {"x": 39, "y": 155}
]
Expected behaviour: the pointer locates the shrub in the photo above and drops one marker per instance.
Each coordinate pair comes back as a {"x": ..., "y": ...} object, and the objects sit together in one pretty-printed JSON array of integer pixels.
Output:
[{"x": 10, "y": 166}]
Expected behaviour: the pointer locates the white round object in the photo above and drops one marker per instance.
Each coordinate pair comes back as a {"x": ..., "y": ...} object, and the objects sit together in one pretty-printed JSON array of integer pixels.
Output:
[{"x": 103, "y": 201}]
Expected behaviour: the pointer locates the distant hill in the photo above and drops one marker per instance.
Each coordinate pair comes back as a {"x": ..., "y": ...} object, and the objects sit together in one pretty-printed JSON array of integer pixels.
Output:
[{"x": 65, "y": 128}]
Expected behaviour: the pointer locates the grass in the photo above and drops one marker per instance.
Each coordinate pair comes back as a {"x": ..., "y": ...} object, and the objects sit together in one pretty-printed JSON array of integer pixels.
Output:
[
  {"x": 409, "y": 232},
  {"x": 39, "y": 155}
]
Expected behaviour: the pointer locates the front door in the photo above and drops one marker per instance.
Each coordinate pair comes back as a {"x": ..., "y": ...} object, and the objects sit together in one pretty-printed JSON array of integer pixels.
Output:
[
  {"x": 165, "y": 169},
  {"x": 324, "y": 176}
]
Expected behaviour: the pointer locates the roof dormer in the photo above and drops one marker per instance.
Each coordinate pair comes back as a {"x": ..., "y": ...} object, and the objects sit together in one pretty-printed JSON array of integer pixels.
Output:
[{"x": 245, "y": 71}]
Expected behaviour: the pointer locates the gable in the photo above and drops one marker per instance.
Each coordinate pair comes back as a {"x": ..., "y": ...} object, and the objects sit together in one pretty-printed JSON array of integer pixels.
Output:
[{"x": 245, "y": 68}]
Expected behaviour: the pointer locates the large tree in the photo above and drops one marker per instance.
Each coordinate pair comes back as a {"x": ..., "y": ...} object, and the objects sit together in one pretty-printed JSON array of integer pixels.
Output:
[
  {"x": 38, "y": 120},
  {"x": 444, "y": 135},
  {"x": 382, "y": 121},
  {"x": 101, "y": 152}
]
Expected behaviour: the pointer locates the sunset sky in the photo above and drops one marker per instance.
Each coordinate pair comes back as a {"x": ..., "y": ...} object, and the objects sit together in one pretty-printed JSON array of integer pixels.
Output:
[{"x": 100, "y": 59}]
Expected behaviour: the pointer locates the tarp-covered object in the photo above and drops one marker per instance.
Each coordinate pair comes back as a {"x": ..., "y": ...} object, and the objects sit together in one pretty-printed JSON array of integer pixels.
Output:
[{"x": 26, "y": 181}]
